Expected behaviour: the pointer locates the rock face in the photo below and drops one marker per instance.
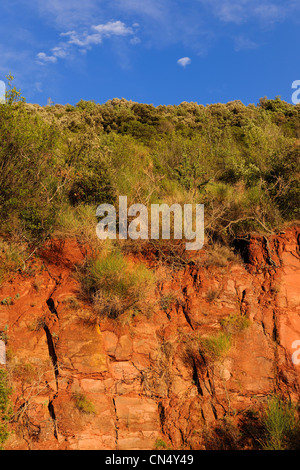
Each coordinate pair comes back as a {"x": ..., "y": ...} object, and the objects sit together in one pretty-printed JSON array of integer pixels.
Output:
[{"x": 146, "y": 377}]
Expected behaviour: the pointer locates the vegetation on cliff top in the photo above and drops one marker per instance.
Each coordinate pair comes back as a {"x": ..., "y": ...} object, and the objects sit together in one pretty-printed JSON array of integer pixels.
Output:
[
  {"x": 58, "y": 163},
  {"x": 242, "y": 162}
]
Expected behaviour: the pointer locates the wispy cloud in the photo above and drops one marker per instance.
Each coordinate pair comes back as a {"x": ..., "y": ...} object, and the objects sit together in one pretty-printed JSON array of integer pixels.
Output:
[
  {"x": 241, "y": 11},
  {"x": 269, "y": 12},
  {"x": 161, "y": 23},
  {"x": 184, "y": 61},
  {"x": 47, "y": 32},
  {"x": 117, "y": 28},
  {"x": 135, "y": 40},
  {"x": 243, "y": 43},
  {"x": 155, "y": 9},
  {"x": 86, "y": 39},
  {"x": 67, "y": 13},
  {"x": 44, "y": 58},
  {"x": 98, "y": 33},
  {"x": 60, "y": 51}
]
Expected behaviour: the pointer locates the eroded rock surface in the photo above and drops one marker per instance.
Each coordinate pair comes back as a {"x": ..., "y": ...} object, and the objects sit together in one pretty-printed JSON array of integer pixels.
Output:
[{"x": 145, "y": 377}]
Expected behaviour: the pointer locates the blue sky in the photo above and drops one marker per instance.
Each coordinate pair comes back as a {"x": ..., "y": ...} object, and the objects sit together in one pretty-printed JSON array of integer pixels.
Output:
[{"x": 151, "y": 51}]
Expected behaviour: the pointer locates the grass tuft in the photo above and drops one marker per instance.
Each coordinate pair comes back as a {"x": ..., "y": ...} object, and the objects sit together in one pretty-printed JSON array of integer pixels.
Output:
[{"x": 114, "y": 286}]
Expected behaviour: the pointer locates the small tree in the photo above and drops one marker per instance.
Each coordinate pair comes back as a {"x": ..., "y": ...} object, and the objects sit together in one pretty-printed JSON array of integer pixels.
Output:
[{"x": 13, "y": 95}]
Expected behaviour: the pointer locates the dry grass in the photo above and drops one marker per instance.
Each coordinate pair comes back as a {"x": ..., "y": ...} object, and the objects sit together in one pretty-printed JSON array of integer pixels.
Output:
[{"x": 114, "y": 285}]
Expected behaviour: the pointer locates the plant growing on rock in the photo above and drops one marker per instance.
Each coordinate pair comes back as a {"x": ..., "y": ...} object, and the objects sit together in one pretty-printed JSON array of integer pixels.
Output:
[
  {"x": 83, "y": 404},
  {"x": 212, "y": 295},
  {"x": 214, "y": 348},
  {"x": 282, "y": 426},
  {"x": 114, "y": 286},
  {"x": 160, "y": 444},
  {"x": 235, "y": 323},
  {"x": 5, "y": 406}
]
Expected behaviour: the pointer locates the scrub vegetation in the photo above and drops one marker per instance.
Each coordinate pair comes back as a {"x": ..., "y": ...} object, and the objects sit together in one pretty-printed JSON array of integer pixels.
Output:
[{"x": 57, "y": 162}]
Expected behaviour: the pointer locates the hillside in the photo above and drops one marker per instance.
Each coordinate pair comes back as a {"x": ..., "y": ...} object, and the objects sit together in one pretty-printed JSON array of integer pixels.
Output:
[{"x": 139, "y": 344}]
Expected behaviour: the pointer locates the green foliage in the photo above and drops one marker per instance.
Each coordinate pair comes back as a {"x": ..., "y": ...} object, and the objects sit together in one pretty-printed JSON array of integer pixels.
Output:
[
  {"x": 83, "y": 404},
  {"x": 282, "y": 426},
  {"x": 216, "y": 347},
  {"x": 28, "y": 178},
  {"x": 114, "y": 286},
  {"x": 12, "y": 95},
  {"x": 160, "y": 444},
  {"x": 5, "y": 406},
  {"x": 12, "y": 257},
  {"x": 242, "y": 162},
  {"x": 234, "y": 324},
  {"x": 3, "y": 333},
  {"x": 93, "y": 179},
  {"x": 188, "y": 172}
]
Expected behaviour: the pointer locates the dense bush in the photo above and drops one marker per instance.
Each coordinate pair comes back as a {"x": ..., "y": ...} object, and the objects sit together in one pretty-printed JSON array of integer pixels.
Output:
[
  {"x": 114, "y": 286},
  {"x": 242, "y": 162},
  {"x": 282, "y": 426},
  {"x": 30, "y": 172}
]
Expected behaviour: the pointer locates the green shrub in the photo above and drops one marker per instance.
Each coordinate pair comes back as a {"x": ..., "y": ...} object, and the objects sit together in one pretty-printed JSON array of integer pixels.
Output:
[
  {"x": 216, "y": 347},
  {"x": 282, "y": 426},
  {"x": 160, "y": 444},
  {"x": 167, "y": 300},
  {"x": 83, "y": 404},
  {"x": 29, "y": 183},
  {"x": 242, "y": 162},
  {"x": 219, "y": 255},
  {"x": 235, "y": 324},
  {"x": 77, "y": 222},
  {"x": 114, "y": 286},
  {"x": 12, "y": 257},
  {"x": 5, "y": 406}
]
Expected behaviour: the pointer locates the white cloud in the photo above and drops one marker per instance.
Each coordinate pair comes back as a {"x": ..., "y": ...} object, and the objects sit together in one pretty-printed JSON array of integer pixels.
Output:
[
  {"x": 44, "y": 58},
  {"x": 86, "y": 39},
  {"x": 82, "y": 40},
  {"x": 184, "y": 61},
  {"x": 38, "y": 87},
  {"x": 231, "y": 12},
  {"x": 155, "y": 9},
  {"x": 240, "y": 11},
  {"x": 107, "y": 30},
  {"x": 60, "y": 51},
  {"x": 113, "y": 28},
  {"x": 270, "y": 13},
  {"x": 68, "y": 13},
  {"x": 135, "y": 40},
  {"x": 242, "y": 43}
]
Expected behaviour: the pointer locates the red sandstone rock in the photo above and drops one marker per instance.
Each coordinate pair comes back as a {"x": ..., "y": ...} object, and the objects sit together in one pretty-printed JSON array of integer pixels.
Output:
[{"x": 146, "y": 379}]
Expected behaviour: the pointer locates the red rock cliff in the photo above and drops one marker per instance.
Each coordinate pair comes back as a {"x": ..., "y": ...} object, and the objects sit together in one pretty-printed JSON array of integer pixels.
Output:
[{"x": 147, "y": 378}]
